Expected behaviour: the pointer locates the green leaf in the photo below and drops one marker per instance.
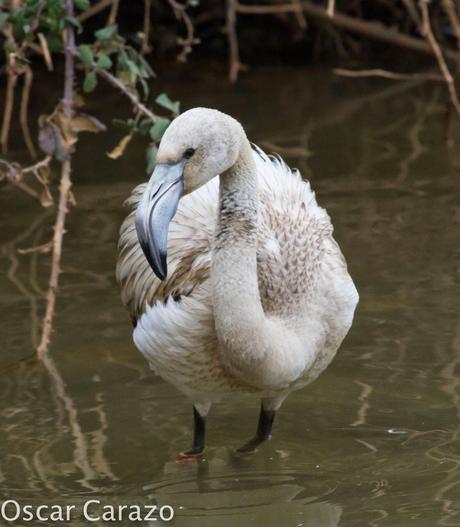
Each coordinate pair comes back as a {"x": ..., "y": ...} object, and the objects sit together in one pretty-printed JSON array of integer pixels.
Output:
[
  {"x": 106, "y": 32},
  {"x": 145, "y": 87},
  {"x": 54, "y": 43},
  {"x": 144, "y": 126},
  {"x": 133, "y": 67},
  {"x": 86, "y": 54},
  {"x": 164, "y": 101},
  {"x": 145, "y": 68},
  {"x": 74, "y": 22},
  {"x": 90, "y": 82},
  {"x": 104, "y": 62},
  {"x": 151, "y": 158},
  {"x": 82, "y": 4},
  {"x": 127, "y": 126},
  {"x": 3, "y": 19},
  {"x": 158, "y": 129}
]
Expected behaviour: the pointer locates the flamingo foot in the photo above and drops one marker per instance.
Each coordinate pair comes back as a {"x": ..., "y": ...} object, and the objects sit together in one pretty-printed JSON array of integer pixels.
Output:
[{"x": 195, "y": 455}]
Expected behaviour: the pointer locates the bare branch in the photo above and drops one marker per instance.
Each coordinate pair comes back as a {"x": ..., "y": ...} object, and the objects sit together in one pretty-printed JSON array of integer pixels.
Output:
[
  {"x": 180, "y": 10},
  {"x": 8, "y": 111},
  {"x": 111, "y": 79},
  {"x": 413, "y": 13},
  {"x": 428, "y": 33},
  {"x": 113, "y": 13},
  {"x": 233, "y": 47},
  {"x": 268, "y": 9},
  {"x": 24, "y": 110},
  {"x": 451, "y": 12},
  {"x": 64, "y": 194},
  {"x": 388, "y": 74},
  {"x": 146, "y": 48},
  {"x": 331, "y": 8},
  {"x": 45, "y": 51},
  {"x": 94, "y": 10},
  {"x": 371, "y": 29}
]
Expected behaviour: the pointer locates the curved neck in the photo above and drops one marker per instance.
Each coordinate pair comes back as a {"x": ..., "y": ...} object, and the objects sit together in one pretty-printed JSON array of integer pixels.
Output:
[
  {"x": 234, "y": 265},
  {"x": 255, "y": 348}
]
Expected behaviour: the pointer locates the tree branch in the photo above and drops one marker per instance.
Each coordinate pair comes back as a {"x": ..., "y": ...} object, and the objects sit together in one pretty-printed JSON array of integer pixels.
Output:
[
  {"x": 428, "y": 33},
  {"x": 111, "y": 79},
  {"x": 64, "y": 194},
  {"x": 24, "y": 111},
  {"x": 373, "y": 30}
]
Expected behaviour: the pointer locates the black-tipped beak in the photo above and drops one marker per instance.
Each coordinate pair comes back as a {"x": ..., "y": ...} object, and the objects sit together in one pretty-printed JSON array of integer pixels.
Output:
[{"x": 155, "y": 211}]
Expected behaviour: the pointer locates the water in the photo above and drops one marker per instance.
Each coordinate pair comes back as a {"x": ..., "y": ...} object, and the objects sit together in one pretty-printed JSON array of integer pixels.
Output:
[{"x": 375, "y": 441}]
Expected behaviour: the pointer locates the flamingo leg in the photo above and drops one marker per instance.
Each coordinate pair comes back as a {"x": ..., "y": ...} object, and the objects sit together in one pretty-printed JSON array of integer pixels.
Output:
[
  {"x": 264, "y": 428},
  {"x": 199, "y": 435}
]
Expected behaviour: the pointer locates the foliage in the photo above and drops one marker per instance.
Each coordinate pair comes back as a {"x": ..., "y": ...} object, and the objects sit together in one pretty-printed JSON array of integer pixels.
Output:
[
  {"x": 50, "y": 28},
  {"x": 38, "y": 26}
]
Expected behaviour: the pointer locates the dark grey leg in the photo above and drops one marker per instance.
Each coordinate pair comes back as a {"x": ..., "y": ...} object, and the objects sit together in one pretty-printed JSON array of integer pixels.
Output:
[
  {"x": 264, "y": 428},
  {"x": 199, "y": 433}
]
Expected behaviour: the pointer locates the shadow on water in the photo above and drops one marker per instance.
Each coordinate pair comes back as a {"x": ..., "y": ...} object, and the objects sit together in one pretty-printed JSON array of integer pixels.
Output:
[{"x": 375, "y": 441}]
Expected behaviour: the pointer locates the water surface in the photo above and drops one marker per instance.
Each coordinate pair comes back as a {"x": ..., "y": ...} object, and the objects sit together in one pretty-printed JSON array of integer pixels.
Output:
[{"x": 375, "y": 441}]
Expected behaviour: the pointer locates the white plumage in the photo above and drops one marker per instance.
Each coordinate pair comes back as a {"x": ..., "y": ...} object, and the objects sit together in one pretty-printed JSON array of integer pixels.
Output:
[{"x": 304, "y": 288}]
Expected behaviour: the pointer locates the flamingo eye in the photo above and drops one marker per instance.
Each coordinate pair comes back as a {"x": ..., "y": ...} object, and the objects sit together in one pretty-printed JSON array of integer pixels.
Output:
[{"x": 189, "y": 153}]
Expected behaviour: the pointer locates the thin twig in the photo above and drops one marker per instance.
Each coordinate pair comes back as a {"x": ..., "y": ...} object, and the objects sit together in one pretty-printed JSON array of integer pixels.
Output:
[
  {"x": 64, "y": 190},
  {"x": 8, "y": 110},
  {"x": 146, "y": 31},
  {"x": 113, "y": 13},
  {"x": 131, "y": 96},
  {"x": 294, "y": 6},
  {"x": 180, "y": 10},
  {"x": 94, "y": 10},
  {"x": 267, "y": 9},
  {"x": 37, "y": 166},
  {"x": 24, "y": 110},
  {"x": 45, "y": 51},
  {"x": 372, "y": 29},
  {"x": 428, "y": 33},
  {"x": 388, "y": 74},
  {"x": 233, "y": 47},
  {"x": 331, "y": 8},
  {"x": 451, "y": 12},
  {"x": 413, "y": 13},
  {"x": 64, "y": 193},
  {"x": 299, "y": 14},
  {"x": 23, "y": 186},
  {"x": 111, "y": 79}
]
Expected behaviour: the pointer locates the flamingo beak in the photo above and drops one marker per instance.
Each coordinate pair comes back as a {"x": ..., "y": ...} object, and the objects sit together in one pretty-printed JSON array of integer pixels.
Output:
[{"x": 155, "y": 211}]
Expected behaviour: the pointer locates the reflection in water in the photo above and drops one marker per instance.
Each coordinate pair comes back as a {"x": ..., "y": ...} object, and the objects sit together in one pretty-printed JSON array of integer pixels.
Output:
[{"x": 375, "y": 441}]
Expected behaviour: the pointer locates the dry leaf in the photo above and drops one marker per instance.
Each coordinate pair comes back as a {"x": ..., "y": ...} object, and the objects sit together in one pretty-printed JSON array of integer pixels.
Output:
[
  {"x": 42, "y": 249},
  {"x": 46, "y": 199},
  {"x": 43, "y": 174},
  {"x": 45, "y": 51},
  {"x": 86, "y": 123},
  {"x": 78, "y": 101},
  {"x": 120, "y": 148},
  {"x": 65, "y": 125}
]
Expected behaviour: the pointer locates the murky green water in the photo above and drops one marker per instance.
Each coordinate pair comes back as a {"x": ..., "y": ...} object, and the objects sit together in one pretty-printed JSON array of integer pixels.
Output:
[{"x": 375, "y": 441}]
